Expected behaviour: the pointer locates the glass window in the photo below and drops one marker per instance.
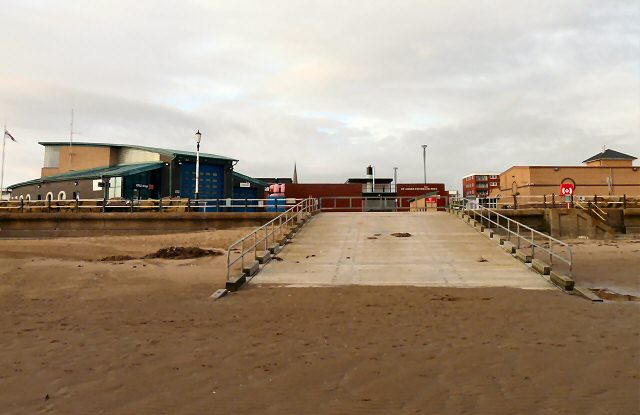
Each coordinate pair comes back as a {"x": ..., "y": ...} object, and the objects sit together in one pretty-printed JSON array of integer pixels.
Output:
[
  {"x": 115, "y": 187},
  {"x": 52, "y": 156}
]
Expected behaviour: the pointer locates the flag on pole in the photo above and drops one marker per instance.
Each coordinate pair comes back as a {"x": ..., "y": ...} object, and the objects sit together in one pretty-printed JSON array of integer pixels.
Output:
[{"x": 7, "y": 134}]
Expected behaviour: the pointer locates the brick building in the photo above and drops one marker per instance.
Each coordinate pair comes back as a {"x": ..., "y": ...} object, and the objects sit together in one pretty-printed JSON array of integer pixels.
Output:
[
  {"x": 479, "y": 185},
  {"x": 609, "y": 173},
  {"x": 99, "y": 170}
]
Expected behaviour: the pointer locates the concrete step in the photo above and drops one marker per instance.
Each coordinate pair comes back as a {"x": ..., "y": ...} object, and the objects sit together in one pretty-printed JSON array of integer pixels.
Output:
[
  {"x": 509, "y": 247},
  {"x": 275, "y": 248},
  {"x": 541, "y": 267},
  {"x": 251, "y": 269},
  {"x": 523, "y": 256},
  {"x": 488, "y": 233},
  {"x": 234, "y": 283},
  {"x": 263, "y": 256},
  {"x": 561, "y": 280}
]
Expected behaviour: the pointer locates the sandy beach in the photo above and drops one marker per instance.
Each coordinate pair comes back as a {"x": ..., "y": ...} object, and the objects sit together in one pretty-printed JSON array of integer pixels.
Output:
[
  {"x": 142, "y": 336},
  {"x": 612, "y": 264}
]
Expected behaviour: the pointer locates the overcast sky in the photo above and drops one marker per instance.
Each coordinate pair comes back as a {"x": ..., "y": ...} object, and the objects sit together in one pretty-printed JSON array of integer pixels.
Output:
[{"x": 331, "y": 85}]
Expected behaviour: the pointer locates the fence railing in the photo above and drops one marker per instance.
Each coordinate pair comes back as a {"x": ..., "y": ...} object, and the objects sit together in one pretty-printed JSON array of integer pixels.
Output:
[
  {"x": 148, "y": 205},
  {"x": 556, "y": 201},
  {"x": 266, "y": 235},
  {"x": 381, "y": 203},
  {"x": 524, "y": 236}
]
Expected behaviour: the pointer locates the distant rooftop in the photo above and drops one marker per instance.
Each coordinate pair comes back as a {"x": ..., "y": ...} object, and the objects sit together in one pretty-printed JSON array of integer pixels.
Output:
[
  {"x": 163, "y": 151},
  {"x": 379, "y": 180},
  {"x": 257, "y": 182},
  {"x": 609, "y": 154}
]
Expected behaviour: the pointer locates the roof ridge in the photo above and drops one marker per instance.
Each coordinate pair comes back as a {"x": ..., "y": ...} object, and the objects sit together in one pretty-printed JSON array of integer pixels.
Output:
[{"x": 609, "y": 154}]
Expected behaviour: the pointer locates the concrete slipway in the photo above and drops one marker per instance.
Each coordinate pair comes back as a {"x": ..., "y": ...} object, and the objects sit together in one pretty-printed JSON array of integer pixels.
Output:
[{"x": 443, "y": 251}]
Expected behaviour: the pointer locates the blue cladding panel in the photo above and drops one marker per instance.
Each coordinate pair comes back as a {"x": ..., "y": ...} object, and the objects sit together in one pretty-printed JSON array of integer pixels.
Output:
[
  {"x": 211, "y": 181},
  {"x": 246, "y": 193}
]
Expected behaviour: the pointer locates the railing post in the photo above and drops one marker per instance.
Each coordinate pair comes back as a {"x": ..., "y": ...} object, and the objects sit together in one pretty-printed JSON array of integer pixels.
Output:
[
  {"x": 77, "y": 205},
  {"x": 553, "y": 200},
  {"x": 544, "y": 201},
  {"x": 246, "y": 205},
  {"x": 624, "y": 201},
  {"x": 131, "y": 207},
  {"x": 533, "y": 246},
  {"x": 160, "y": 205},
  {"x": 189, "y": 204},
  {"x": 21, "y": 205},
  {"x": 572, "y": 205}
]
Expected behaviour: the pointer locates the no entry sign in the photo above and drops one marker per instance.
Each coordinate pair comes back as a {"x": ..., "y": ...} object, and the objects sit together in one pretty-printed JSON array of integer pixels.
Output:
[{"x": 566, "y": 189}]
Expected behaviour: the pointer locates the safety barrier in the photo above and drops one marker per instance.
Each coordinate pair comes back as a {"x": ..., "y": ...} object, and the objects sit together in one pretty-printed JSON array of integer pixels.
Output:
[
  {"x": 556, "y": 201},
  {"x": 382, "y": 203},
  {"x": 147, "y": 205},
  {"x": 537, "y": 240},
  {"x": 266, "y": 235}
]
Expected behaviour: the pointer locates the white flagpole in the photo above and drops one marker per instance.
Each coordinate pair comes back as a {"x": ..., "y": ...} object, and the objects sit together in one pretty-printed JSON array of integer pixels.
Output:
[{"x": 4, "y": 143}]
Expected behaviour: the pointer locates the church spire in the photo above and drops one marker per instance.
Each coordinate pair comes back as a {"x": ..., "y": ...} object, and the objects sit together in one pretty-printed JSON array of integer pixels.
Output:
[{"x": 295, "y": 173}]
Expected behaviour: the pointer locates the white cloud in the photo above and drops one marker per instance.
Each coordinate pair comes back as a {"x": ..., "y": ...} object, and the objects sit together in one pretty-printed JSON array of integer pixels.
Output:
[{"x": 332, "y": 85}]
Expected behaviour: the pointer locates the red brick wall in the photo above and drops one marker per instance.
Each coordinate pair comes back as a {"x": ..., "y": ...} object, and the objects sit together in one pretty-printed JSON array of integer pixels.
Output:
[{"x": 328, "y": 190}]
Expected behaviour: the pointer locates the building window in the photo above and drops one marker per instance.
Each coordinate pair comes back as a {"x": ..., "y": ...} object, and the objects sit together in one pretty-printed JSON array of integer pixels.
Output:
[
  {"x": 493, "y": 176},
  {"x": 115, "y": 187},
  {"x": 52, "y": 156},
  {"x": 49, "y": 196},
  {"x": 62, "y": 195},
  {"x": 28, "y": 197},
  {"x": 494, "y": 184}
]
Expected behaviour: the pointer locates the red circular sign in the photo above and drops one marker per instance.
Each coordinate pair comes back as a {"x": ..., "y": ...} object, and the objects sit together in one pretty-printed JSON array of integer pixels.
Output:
[{"x": 566, "y": 189}]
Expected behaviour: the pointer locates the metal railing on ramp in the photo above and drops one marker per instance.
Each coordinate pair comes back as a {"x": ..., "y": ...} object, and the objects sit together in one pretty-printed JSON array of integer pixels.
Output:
[
  {"x": 265, "y": 235},
  {"x": 522, "y": 234}
]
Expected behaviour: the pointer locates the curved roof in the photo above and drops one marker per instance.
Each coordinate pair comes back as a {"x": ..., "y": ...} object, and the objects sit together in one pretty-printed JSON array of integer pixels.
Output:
[
  {"x": 113, "y": 171},
  {"x": 163, "y": 151}
]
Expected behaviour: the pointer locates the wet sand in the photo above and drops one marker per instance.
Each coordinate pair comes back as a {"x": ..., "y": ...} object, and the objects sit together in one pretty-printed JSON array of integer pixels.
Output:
[
  {"x": 611, "y": 264},
  {"x": 142, "y": 337}
]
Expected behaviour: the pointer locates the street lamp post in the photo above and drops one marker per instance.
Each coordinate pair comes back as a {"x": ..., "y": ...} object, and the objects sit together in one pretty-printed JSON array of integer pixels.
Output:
[
  {"x": 424, "y": 161},
  {"x": 198, "y": 138}
]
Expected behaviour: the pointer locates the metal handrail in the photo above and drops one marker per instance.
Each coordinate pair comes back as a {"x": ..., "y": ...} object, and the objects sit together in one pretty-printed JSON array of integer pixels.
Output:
[
  {"x": 553, "y": 200},
  {"x": 514, "y": 227},
  {"x": 268, "y": 231},
  {"x": 387, "y": 203},
  {"x": 134, "y": 205}
]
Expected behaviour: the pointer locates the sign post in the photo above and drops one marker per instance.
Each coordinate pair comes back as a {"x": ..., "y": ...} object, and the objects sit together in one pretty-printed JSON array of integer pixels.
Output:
[{"x": 566, "y": 190}]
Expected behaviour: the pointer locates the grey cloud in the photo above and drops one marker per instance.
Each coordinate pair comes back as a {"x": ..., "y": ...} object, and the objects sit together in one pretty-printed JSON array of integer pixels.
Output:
[{"x": 486, "y": 84}]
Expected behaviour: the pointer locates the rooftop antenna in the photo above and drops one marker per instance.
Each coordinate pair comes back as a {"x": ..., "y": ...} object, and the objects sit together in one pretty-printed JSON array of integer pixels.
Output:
[
  {"x": 71, "y": 141},
  {"x": 604, "y": 147}
]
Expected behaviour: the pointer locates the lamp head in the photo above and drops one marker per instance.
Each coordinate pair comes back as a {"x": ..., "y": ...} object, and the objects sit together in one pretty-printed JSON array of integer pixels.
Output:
[{"x": 198, "y": 137}]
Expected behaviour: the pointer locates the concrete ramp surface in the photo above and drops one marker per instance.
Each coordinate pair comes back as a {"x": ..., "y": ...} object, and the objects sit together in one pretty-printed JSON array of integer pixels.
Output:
[{"x": 359, "y": 248}]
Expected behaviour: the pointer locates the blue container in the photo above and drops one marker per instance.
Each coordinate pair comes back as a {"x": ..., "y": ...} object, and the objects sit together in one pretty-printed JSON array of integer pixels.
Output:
[{"x": 276, "y": 204}]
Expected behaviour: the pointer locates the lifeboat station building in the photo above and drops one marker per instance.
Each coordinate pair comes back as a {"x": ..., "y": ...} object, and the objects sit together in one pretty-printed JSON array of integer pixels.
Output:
[{"x": 107, "y": 171}]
